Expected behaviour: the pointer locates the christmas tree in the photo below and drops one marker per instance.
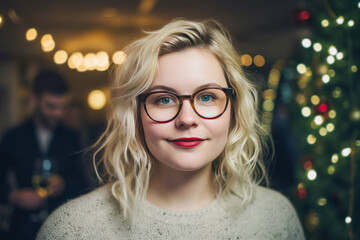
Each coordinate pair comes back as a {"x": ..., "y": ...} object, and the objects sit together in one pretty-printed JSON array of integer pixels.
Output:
[{"x": 320, "y": 88}]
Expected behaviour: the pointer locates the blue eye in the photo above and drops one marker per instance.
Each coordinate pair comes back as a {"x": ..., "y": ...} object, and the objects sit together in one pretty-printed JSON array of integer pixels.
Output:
[
  {"x": 206, "y": 98},
  {"x": 165, "y": 100}
]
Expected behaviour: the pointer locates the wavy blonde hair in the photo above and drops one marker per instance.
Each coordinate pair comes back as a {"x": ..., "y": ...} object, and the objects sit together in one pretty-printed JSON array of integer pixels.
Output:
[{"x": 125, "y": 159}]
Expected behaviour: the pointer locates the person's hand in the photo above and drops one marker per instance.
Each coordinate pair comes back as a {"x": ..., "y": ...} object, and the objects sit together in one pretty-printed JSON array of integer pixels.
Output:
[
  {"x": 26, "y": 198},
  {"x": 56, "y": 185}
]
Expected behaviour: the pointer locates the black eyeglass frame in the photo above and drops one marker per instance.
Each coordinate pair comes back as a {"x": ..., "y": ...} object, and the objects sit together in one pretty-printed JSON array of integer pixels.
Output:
[{"x": 228, "y": 92}]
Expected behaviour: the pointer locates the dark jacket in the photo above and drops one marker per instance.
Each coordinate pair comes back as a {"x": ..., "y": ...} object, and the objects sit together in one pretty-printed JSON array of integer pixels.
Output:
[{"x": 19, "y": 149}]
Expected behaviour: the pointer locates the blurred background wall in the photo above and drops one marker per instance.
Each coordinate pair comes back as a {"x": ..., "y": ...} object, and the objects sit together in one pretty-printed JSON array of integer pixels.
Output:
[{"x": 290, "y": 48}]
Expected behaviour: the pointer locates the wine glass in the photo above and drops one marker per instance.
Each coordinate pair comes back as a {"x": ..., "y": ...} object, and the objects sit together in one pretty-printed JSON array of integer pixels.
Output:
[{"x": 44, "y": 169}]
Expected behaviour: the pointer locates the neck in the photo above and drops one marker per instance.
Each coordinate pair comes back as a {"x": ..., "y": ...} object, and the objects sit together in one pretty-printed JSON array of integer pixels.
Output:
[
  {"x": 181, "y": 190},
  {"x": 39, "y": 122}
]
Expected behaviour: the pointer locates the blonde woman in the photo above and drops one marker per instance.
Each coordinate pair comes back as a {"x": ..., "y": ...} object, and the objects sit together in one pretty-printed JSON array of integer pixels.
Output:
[{"x": 182, "y": 150}]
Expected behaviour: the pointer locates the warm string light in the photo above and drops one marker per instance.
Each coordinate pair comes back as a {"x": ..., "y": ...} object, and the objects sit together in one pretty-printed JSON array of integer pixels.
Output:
[
  {"x": 96, "y": 99},
  {"x": 99, "y": 61},
  {"x": 269, "y": 95},
  {"x": 258, "y": 60},
  {"x": 1, "y": 20},
  {"x": 31, "y": 34}
]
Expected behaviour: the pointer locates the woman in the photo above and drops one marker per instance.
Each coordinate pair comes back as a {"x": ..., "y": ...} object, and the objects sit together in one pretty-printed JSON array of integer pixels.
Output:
[{"x": 182, "y": 150}]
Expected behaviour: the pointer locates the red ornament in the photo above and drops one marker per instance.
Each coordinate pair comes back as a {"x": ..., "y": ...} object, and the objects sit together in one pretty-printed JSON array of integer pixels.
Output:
[
  {"x": 301, "y": 193},
  {"x": 308, "y": 165},
  {"x": 302, "y": 16},
  {"x": 322, "y": 109}
]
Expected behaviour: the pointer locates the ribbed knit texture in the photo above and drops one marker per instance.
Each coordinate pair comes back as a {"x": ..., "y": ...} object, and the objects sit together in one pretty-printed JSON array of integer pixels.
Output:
[{"x": 97, "y": 215}]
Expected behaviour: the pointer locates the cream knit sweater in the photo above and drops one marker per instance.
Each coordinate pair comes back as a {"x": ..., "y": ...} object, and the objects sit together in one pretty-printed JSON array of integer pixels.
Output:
[{"x": 97, "y": 215}]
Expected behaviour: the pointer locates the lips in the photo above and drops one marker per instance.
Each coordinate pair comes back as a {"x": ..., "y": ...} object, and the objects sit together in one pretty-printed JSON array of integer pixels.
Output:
[{"x": 187, "y": 142}]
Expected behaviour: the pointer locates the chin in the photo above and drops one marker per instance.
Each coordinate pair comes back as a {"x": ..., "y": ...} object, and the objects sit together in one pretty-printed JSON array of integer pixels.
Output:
[{"x": 186, "y": 166}]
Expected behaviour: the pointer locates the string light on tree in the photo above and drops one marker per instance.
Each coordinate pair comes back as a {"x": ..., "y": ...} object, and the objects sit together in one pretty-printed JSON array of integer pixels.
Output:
[
  {"x": 325, "y": 78},
  {"x": 332, "y": 113},
  {"x": 311, "y": 175},
  {"x": 325, "y": 23},
  {"x": 330, "y": 60},
  {"x": 322, "y": 132},
  {"x": 317, "y": 47},
  {"x": 331, "y": 118},
  {"x": 331, "y": 72},
  {"x": 335, "y": 158},
  {"x": 318, "y": 120},
  {"x": 332, "y": 50},
  {"x": 306, "y": 43},
  {"x": 331, "y": 170},
  {"x": 339, "y": 56},
  {"x": 306, "y": 111},
  {"x": 346, "y": 152},
  {"x": 330, "y": 127},
  {"x": 322, "y": 201},
  {"x": 351, "y": 23},
  {"x": 311, "y": 139},
  {"x": 340, "y": 20},
  {"x": 301, "y": 68},
  {"x": 315, "y": 100},
  {"x": 354, "y": 68}
]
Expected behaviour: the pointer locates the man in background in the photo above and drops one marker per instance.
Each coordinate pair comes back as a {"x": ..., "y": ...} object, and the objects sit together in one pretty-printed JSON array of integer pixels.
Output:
[{"x": 43, "y": 156}]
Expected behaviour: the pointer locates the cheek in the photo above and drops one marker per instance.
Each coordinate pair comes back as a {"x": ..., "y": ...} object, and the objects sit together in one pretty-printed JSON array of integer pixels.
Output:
[
  {"x": 152, "y": 130},
  {"x": 220, "y": 127}
]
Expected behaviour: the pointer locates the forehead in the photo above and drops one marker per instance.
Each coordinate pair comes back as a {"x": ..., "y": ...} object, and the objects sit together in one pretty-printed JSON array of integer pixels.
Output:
[
  {"x": 49, "y": 97},
  {"x": 186, "y": 70}
]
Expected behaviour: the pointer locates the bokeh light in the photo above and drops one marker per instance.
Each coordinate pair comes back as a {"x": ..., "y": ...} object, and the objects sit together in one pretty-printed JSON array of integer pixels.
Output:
[
  {"x": 315, "y": 99},
  {"x": 335, "y": 158},
  {"x": 119, "y": 57},
  {"x": 47, "y": 43},
  {"x": 306, "y": 43},
  {"x": 330, "y": 60},
  {"x": 259, "y": 60},
  {"x": 325, "y": 23},
  {"x": 311, "y": 175},
  {"x": 31, "y": 34},
  {"x": 311, "y": 139},
  {"x": 340, "y": 20},
  {"x": 317, "y": 47},
  {"x": 306, "y": 111},
  {"x": 346, "y": 152},
  {"x": 96, "y": 99},
  {"x": 60, "y": 57},
  {"x": 246, "y": 60},
  {"x": 75, "y": 60},
  {"x": 301, "y": 68}
]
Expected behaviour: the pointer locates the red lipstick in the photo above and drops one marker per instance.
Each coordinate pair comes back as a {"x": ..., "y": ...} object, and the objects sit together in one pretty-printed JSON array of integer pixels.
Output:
[{"x": 187, "y": 142}]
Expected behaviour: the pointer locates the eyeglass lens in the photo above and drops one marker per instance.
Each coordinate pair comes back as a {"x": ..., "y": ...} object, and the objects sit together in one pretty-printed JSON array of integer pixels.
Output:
[{"x": 208, "y": 103}]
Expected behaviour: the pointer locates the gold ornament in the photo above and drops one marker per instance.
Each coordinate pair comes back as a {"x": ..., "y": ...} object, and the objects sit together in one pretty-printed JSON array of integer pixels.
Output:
[
  {"x": 312, "y": 221},
  {"x": 355, "y": 115}
]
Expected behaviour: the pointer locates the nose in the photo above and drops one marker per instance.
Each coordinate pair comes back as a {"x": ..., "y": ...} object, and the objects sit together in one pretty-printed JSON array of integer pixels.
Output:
[{"x": 187, "y": 116}]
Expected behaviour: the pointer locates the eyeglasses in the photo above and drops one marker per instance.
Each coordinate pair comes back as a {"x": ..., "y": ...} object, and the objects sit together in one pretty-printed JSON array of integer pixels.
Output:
[{"x": 208, "y": 103}]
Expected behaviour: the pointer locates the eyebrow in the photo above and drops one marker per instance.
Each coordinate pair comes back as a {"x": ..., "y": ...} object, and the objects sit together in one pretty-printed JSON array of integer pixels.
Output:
[{"x": 163, "y": 87}]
